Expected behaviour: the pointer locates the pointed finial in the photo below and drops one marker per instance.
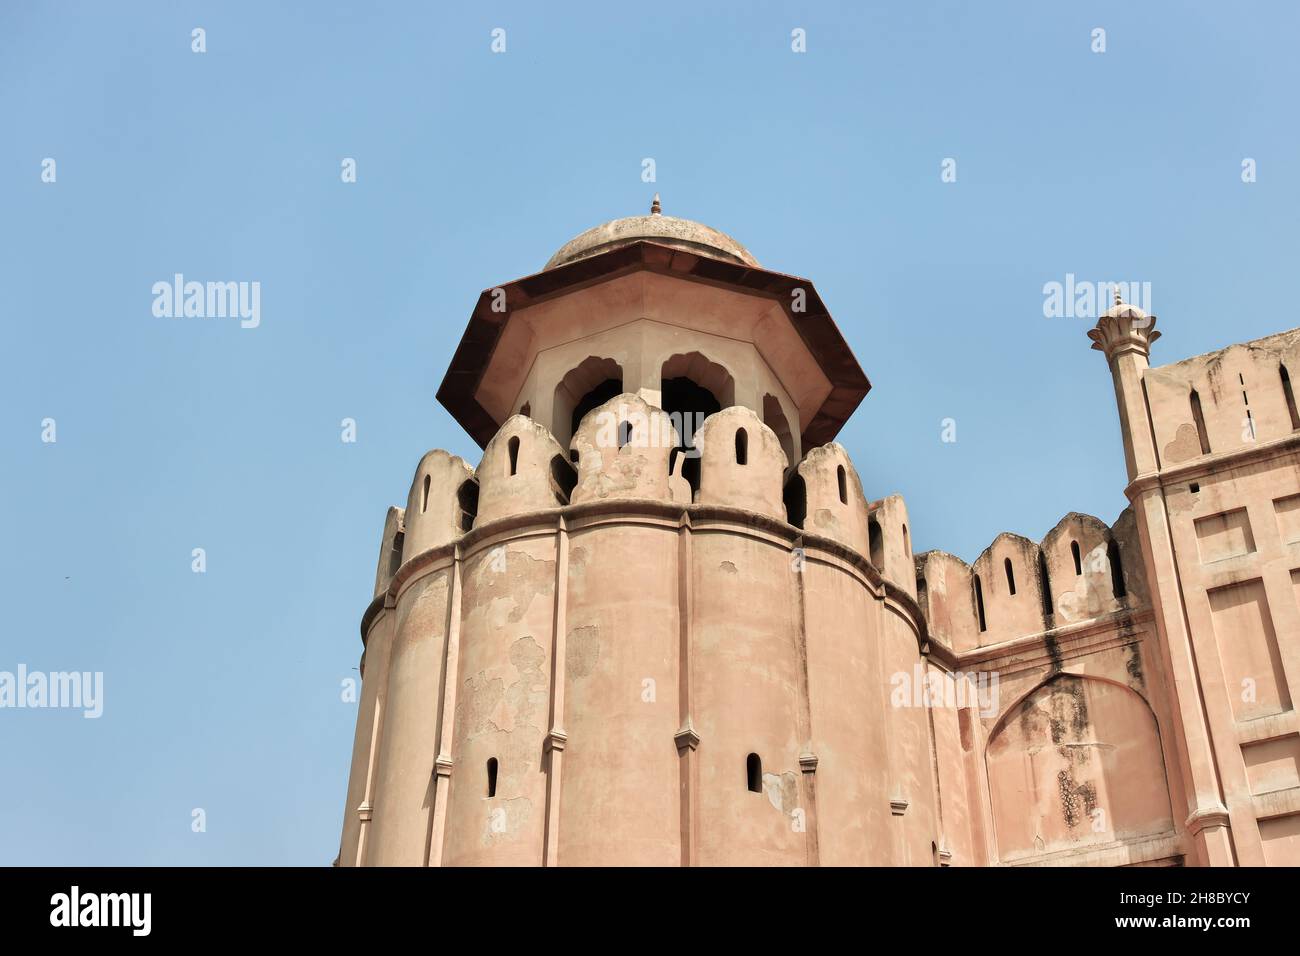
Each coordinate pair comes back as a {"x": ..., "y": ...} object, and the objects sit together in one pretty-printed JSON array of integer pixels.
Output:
[
  {"x": 1118, "y": 300},
  {"x": 655, "y": 208}
]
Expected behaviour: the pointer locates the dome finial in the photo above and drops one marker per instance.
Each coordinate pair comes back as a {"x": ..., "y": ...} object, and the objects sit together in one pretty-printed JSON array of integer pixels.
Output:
[
  {"x": 1118, "y": 300},
  {"x": 655, "y": 208}
]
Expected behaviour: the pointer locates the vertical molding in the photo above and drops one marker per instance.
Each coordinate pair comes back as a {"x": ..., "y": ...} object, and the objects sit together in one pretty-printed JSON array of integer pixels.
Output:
[
  {"x": 556, "y": 737},
  {"x": 366, "y": 810},
  {"x": 686, "y": 738},
  {"x": 941, "y": 834},
  {"x": 442, "y": 764},
  {"x": 808, "y": 757}
]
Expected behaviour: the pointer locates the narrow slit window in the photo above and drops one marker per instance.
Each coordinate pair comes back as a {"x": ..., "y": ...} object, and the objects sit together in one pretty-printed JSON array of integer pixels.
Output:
[
  {"x": 1199, "y": 417},
  {"x": 1116, "y": 570},
  {"x": 754, "y": 773},
  {"x": 1045, "y": 583},
  {"x": 979, "y": 603},
  {"x": 492, "y": 776},
  {"x": 624, "y": 434},
  {"x": 1078, "y": 561},
  {"x": 424, "y": 501},
  {"x": 1011, "y": 575},
  {"x": 514, "y": 455},
  {"x": 1290, "y": 398},
  {"x": 742, "y": 447},
  {"x": 844, "y": 485},
  {"x": 907, "y": 544}
]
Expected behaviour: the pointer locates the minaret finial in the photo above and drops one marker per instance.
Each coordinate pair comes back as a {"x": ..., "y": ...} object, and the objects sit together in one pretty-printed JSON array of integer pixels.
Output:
[
  {"x": 655, "y": 208},
  {"x": 1118, "y": 300}
]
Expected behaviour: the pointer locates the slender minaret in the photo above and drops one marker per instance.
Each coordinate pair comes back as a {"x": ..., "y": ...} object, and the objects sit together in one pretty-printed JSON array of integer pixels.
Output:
[{"x": 1124, "y": 333}]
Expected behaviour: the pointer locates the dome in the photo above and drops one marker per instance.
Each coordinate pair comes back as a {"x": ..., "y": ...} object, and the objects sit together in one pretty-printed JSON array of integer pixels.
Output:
[{"x": 665, "y": 230}]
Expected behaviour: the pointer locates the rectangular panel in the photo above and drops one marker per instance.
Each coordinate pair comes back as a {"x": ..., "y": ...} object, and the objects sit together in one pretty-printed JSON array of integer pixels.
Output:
[
  {"x": 1272, "y": 764},
  {"x": 1225, "y": 535},
  {"x": 1247, "y": 646},
  {"x": 1288, "y": 518},
  {"x": 1281, "y": 839}
]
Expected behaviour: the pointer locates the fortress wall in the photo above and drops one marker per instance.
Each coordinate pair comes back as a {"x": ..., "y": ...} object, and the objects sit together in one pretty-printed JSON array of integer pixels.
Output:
[
  {"x": 502, "y": 689},
  {"x": 747, "y": 696},
  {"x": 849, "y": 718},
  {"x": 1228, "y": 383},
  {"x": 621, "y": 792},
  {"x": 366, "y": 741},
  {"x": 408, "y": 740}
]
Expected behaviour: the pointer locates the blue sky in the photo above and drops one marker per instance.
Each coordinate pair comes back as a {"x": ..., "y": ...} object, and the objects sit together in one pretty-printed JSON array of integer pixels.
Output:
[{"x": 222, "y": 689}]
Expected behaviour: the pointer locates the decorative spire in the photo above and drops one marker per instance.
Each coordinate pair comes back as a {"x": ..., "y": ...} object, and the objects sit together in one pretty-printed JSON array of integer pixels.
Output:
[
  {"x": 655, "y": 208},
  {"x": 1118, "y": 300}
]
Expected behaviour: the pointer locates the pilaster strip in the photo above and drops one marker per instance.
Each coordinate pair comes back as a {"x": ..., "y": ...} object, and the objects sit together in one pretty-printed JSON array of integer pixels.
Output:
[
  {"x": 556, "y": 737},
  {"x": 686, "y": 738},
  {"x": 447, "y": 726}
]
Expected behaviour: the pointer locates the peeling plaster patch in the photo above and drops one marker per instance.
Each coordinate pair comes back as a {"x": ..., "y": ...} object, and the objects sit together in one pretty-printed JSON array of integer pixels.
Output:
[
  {"x": 823, "y": 518},
  {"x": 525, "y": 579},
  {"x": 582, "y": 650},
  {"x": 728, "y": 567},
  {"x": 782, "y": 791},
  {"x": 479, "y": 705},
  {"x": 527, "y": 695},
  {"x": 1186, "y": 445}
]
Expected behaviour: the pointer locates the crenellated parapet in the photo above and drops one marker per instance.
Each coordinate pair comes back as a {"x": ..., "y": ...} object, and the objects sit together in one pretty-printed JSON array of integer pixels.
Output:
[
  {"x": 523, "y": 469},
  {"x": 741, "y": 462},
  {"x": 832, "y": 500},
  {"x": 441, "y": 504},
  {"x": 1082, "y": 570}
]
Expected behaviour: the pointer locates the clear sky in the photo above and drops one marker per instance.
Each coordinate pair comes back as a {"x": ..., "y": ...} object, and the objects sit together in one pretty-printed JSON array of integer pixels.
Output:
[{"x": 222, "y": 690}]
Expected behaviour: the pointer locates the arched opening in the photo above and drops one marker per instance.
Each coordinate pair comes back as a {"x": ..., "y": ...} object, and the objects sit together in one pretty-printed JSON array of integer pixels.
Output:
[
  {"x": 1290, "y": 398},
  {"x": 775, "y": 419},
  {"x": 742, "y": 447},
  {"x": 1116, "y": 570},
  {"x": 1011, "y": 575},
  {"x": 1199, "y": 417},
  {"x": 795, "y": 496},
  {"x": 595, "y": 381},
  {"x": 492, "y": 776},
  {"x": 754, "y": 774},
  {"x": 907, "y": 543},
  {"x": 843, "y": 478},
  {"x": 979, "y": 603},
  {"x": 564, "y": 478},
  {"x": 514, "y": 455},
  {"x": 424, "y": 500},
  {"x": 876, "y": 543},
  {"x": 691, "y": 389},
  {"x": 467, "y": 502},
  {"x": 1078, "y": 559},
  {"x": 624, "y": 434}
]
